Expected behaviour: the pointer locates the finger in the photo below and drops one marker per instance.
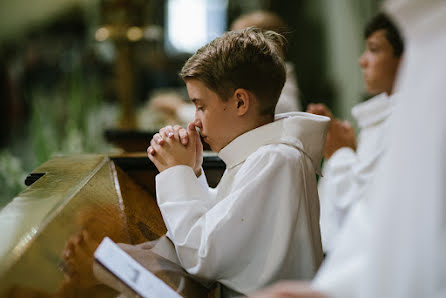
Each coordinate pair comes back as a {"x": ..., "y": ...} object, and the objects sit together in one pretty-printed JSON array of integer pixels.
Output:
[
  {"x": 176, "y": 130},
  {"x": 184, "y": 136},
  {"x": 150, "y": 151},
  {"x": 177, "y": 127},
  {"x": 319, "y": 109},
  {"x": 158, "y": 148},
  {"x": 154, "y": 159},
  {"x": 158, "y": 139},
  {"x": 166, "y": 132},
  {"x": 316, "y": 110},
  {"x": 173, "y": 134},
  {"x": 347, "y": 126},
  {"x": 311, "y": 108},
  {"x": 193, "y": 134},
  {"x": 151, "y": 157},
  {"x": 158, "y": 161},
  {"x": 346, "y": 123},
  {"x": 191, "y": 130}
]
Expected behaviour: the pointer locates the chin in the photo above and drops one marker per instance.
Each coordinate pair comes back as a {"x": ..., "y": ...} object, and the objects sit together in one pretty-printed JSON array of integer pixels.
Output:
[
  {"x": 214, "y": 148},
  {"x": 373, "y": 92}
]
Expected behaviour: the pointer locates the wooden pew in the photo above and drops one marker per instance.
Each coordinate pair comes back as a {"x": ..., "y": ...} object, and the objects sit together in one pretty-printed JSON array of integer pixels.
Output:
[{"x": 46, "y": 252}]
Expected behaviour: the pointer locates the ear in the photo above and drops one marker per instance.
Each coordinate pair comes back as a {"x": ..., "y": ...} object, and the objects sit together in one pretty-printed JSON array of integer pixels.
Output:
[{"x": 242, "y": 101}]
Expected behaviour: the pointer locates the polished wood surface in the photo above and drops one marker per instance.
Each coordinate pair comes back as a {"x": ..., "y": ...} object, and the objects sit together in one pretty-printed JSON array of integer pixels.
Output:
[{"x": 66, "y": 213}]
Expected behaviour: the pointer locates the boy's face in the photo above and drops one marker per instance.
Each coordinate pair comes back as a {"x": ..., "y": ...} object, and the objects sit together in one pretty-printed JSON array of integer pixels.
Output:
[
  {"x": 378, "y": 63},
  {"x": 213, "y": 116}
]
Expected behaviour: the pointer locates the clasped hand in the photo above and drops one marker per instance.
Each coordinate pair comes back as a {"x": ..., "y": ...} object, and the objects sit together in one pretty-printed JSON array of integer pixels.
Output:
[
  {"x": 340, "y": 133},
  {"x": 176, "y": 145}
]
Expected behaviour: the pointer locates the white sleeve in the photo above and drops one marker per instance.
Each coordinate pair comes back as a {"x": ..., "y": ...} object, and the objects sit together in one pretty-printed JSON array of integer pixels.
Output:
[
  {"x": 220, "y": 240},
  {"x": 345, "y": 182},
  {"x": 338, "y": 177},
  {"x": 202, "y": 180}
]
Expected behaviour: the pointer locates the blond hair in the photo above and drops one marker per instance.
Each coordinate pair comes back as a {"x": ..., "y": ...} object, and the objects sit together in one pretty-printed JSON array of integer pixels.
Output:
[{"x": 247, "y": 59}]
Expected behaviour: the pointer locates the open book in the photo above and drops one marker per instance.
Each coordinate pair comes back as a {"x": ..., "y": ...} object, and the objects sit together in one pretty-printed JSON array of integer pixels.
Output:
[{"x": 140, "y": 272}]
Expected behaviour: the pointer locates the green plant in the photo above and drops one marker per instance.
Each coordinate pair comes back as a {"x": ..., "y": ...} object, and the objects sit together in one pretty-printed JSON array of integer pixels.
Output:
[
  {"x": 12, "y": 176},
  {"x": 74, "y": 123}
]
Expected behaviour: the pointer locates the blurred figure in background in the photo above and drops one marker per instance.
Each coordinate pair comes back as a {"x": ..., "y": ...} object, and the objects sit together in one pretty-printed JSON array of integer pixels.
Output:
[
  {"x": 393, "y": 241},
  {"x": 289, "y": 98},
  {"x": 348, "y": 167}
]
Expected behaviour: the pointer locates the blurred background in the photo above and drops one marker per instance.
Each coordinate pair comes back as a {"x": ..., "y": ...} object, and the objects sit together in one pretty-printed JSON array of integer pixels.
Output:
[{"x": 74, "y": 71}]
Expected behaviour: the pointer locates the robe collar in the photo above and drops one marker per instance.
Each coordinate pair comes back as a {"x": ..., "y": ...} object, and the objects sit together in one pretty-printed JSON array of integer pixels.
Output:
[
  {"x": 372, "y": 111},
  {"x": 304, "y": 131}
]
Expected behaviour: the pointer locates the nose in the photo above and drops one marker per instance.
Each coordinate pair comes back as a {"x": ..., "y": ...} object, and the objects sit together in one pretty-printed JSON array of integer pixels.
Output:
[
  {"x": 197, "y": 122},
  {"x": 363, "y": 60}
]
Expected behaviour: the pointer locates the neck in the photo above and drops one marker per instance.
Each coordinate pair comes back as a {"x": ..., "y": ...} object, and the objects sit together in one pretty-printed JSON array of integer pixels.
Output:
[
  {"x": 260, "y": 121},
  {"x": 253, "y": 124}
]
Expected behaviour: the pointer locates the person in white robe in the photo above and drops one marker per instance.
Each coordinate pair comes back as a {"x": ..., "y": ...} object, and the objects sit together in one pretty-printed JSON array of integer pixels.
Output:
[
  {"x": 262, "y": 216},
  {"x": 261, "y": 223},
  {"x": 348, "y": 167},
  {"x": 393, "y": 242}
]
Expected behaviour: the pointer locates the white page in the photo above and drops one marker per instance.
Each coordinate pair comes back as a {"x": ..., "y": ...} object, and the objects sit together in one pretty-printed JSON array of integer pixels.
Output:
[{"x": 133, "y": 274}]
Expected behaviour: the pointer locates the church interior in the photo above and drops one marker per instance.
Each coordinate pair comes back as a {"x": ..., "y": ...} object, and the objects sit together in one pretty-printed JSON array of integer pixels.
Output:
[{"x": 86, "y": 84}]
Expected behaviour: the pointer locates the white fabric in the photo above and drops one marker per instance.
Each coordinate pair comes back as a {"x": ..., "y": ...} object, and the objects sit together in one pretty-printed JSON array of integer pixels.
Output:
[
  {"x": 393, "y": 243},
  {"x": 347, "y": 174},
  {"x": 411, "y": 218},
  {"x": 261, "y": 223},
  {"x": 289, "y": 98}
]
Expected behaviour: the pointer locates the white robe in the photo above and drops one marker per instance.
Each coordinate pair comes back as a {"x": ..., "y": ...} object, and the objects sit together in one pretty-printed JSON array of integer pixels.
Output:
[
  {"x": 289, "y": 97},
  {"x": 261, "y": 223},
  {"x": 393, "y": 243},
  {"x": 347, "y": 174}
]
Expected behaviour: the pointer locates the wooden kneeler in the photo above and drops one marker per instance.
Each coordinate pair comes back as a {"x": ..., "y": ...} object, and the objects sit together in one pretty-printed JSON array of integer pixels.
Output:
[{"x": 70, "y": 205}]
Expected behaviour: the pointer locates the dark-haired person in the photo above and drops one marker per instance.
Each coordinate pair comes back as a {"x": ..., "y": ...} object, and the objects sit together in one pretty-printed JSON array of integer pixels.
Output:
[
  {"x": 393, "y": 241},
  {"x": 348, "y": 168}
]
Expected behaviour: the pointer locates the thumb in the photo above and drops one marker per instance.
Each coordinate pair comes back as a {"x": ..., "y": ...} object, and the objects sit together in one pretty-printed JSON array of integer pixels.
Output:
[{"x": 192, "y": 132}]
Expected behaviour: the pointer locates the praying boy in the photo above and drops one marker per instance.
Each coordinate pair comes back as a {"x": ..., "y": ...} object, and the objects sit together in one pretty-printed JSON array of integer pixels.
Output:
[{"x": 261, "y": 223}]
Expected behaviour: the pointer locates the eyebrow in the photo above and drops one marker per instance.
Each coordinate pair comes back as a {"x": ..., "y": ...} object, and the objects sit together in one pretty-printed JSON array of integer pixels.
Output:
[{"x": 195, "y": 100}]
